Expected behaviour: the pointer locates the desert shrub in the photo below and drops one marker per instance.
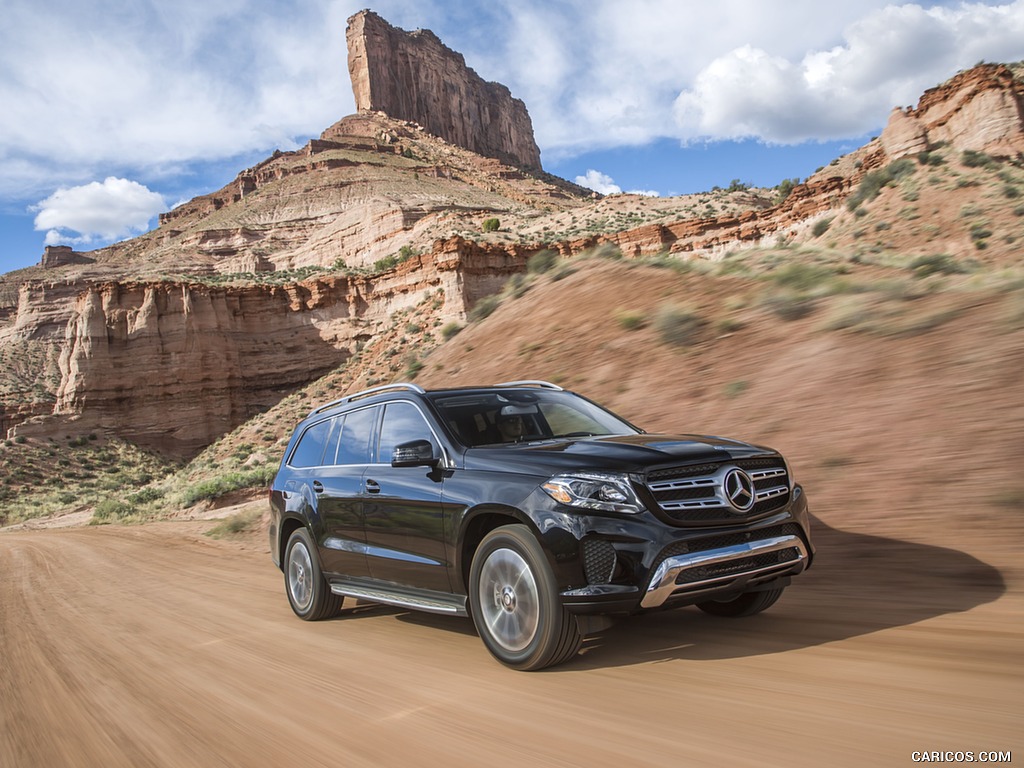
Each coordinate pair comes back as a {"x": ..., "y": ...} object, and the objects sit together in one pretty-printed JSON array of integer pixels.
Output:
[
  {"x": 413, "y": 366},
  {"x": 800, "y": 276},
  {"x": 821, "y": 227},
  {"x": 972, "y": 158},
  {"x": 873, "y": 183},
  {"x": 735, "y": 388},
  {"x": 1011, "y": 192},
  {"x": 449, "y": 330},
  {"x": 146, "y": 495},
  {"x": 112, "y": 510},
  {"x": 221, "y": 485},
  {"x": 542, "y": 261},
  {"x": 677, "y": 324},
  {"x": 483, "y": 308},
  {"x": 784, "y": 189},
  {"x": 935, "y": 264},
  {"x": 238, "y": 523},
  {"x": 383, "y": 265},
  {"x": 516, "y": 286},
  {"x": 789, "y": 304},
  {"x": 608, "y": 251},
  {"x": 491, "y": 225},
  {"x": 630, "y": 320},
  {"x": 980, "y": 234}
]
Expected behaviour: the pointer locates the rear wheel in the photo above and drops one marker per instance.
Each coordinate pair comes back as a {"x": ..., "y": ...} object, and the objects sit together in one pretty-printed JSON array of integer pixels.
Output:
[
  {"x": 745, "y": 604},
  {"x": 308, "y": 592},
  {"x": 515, "y": 602}
]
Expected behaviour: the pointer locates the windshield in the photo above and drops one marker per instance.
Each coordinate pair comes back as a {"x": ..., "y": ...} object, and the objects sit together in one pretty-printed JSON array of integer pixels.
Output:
[{"x": 513, "y": 416}]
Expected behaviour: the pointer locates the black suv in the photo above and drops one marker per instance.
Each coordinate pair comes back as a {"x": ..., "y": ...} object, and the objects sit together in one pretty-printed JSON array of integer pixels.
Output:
[{"x": 530, "y": 508}]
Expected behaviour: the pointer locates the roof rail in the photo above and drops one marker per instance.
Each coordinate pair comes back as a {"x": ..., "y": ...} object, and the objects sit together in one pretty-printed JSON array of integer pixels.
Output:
[
  {"x": 366, "y": 393},
  {"x": 530, "y": 383}
]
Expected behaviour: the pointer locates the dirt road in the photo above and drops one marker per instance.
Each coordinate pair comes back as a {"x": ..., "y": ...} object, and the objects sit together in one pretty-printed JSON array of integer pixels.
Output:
[{"x": 156, "y": 646}]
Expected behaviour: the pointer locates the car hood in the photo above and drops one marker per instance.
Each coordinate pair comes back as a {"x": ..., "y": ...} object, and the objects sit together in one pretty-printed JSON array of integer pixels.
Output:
[{"x": 622, "y": 453}]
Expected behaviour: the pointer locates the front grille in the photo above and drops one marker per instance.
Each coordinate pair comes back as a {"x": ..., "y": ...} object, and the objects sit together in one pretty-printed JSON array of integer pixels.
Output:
[
  {"x": 695, "y": 494},
  {"x": 598, "y": 561}
]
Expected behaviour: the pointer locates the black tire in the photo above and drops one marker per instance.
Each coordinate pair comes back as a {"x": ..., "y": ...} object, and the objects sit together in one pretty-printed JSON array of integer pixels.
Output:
[
  {"x": 515, "y": 605},
  {"x": 746, "y": 604},
  {"x": 308, "y": 592}
]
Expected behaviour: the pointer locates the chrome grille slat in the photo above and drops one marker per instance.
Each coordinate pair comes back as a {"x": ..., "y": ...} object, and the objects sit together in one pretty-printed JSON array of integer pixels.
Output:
[{"x": 694, "y": 494}]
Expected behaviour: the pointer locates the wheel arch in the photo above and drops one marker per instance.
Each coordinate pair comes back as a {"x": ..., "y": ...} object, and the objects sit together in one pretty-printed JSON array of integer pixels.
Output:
[
  {"x": 475, "y": 525},
  {"x": 288, "y": 526}
]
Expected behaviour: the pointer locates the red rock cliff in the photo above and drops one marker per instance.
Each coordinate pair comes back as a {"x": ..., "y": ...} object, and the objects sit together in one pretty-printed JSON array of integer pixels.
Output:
[{"x": 414, "y": 76}]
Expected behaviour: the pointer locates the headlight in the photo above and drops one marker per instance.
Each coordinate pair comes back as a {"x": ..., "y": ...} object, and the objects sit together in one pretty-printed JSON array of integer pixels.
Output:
[{"x": 594, "y": 490}]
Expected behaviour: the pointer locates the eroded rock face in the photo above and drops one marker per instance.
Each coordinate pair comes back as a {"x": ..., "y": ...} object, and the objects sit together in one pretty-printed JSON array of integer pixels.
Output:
[
  {"x": 414, "y": 76},
  {"x": 981, "y": 109},
  {"x": 173, "y": 366}
]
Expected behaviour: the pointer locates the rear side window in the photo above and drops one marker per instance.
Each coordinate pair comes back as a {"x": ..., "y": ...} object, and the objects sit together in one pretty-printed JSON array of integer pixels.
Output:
[
  {"x": 310, "y": 450},
  {"x": 354, "y": 447}
]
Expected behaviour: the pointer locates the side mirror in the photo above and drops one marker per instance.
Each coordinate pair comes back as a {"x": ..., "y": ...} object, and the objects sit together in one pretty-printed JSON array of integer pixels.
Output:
[{"x": 415, "y": 453}]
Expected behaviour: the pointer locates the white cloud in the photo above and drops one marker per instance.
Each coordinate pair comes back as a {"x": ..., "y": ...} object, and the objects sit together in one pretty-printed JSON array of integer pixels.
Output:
[
  {"x": 606, "y": 73},
  {"x": 887, "y": 59},
  {"x": 115, "y": 209},
  {"x": 599, "y": 182},
  {"x": 90, "y": 90},
  {"x": 605, "y": 184}
]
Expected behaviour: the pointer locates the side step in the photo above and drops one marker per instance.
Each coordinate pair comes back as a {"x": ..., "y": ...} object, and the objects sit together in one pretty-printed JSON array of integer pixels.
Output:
[{"x": 433, "y": 602}]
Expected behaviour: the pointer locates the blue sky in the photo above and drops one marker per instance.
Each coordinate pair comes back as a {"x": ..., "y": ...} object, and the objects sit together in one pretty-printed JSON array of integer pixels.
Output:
[{"x": 117, "y": 110}]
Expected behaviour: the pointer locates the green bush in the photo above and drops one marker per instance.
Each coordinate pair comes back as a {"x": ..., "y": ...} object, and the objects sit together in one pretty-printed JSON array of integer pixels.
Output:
[
  {"x": 239, "y": 523},
  {"x": 800, "y": 276},
  {"x": 873, "y": 183},
  {"x": 630, "y": 320},
  {"x": 216, "y": 487},
  {"x": 821, "y": 227},
  {"x": 975, "y": 159},
  {"x": 542, "y": 261},
  {"x": 112, "y": 510},
  {"x": 936, "y": 264},
  {"x": 491, "y": 225},
  {"x": 790, "y": 305},
  {"x": 784, "y": 189},
  {"x": 450, "y": 330},
  {"x": 383, "y": 265},
  {"x": 677, "y": 324},
  {"x": 484, "y": 308}
]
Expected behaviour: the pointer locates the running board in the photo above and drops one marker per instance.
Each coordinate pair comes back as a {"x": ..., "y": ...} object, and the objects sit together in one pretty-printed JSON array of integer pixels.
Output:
[{"x": 451, "y": 605}]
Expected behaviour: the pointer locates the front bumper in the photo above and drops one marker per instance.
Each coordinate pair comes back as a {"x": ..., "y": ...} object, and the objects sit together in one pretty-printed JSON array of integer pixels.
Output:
[
  {"x": 734, "y": 568},
  {"x": 659, "y": 565}
]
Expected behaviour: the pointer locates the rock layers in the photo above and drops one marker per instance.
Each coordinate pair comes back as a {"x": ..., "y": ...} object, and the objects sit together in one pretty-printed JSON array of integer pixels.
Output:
[
  {"x": 414, "y": 76},
  {"x": 981, "y": 109}
]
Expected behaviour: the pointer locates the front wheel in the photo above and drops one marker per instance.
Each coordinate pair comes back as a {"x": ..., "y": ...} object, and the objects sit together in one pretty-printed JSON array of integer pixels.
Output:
[
  {"x": 745, "y": 604},
  {"x": 515, "y": 602},
  {"x": 308, "y": 591}
]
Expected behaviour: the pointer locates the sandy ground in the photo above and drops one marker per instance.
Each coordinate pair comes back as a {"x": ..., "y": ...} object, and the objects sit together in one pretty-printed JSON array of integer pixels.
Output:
[{"x": 156, "y": 646}]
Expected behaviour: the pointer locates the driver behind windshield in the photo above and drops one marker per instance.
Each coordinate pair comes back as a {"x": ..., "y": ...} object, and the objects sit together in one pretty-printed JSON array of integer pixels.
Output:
[{"x": 511, "y": 427}]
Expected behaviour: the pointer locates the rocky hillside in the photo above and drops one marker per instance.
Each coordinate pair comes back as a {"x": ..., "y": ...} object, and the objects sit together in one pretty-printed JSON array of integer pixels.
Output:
[{"x": 345, "y": 263}]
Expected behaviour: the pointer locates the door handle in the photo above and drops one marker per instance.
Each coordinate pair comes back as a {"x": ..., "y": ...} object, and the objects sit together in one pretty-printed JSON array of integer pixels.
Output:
[
  {"x": 372, "y": 486},
  {"x": 318, "y": 487}
]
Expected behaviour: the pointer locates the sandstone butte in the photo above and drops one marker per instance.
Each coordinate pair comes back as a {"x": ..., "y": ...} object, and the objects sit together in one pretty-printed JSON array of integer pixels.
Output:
[{"x": 241, "y": 296}]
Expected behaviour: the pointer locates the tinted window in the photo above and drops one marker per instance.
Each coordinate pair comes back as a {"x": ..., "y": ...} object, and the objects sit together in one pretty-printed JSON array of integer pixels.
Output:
[
  {"x": 402, "y": 422},
  {"x": 310, "y": 450},
  {"x": 354, "y": 447}
]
